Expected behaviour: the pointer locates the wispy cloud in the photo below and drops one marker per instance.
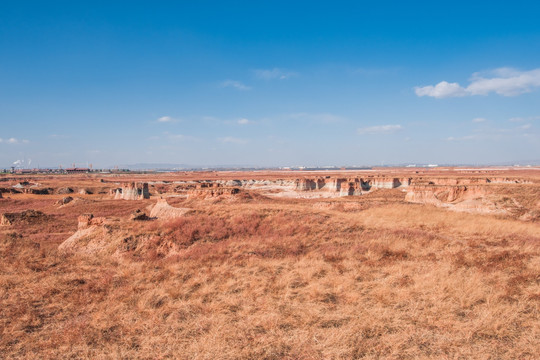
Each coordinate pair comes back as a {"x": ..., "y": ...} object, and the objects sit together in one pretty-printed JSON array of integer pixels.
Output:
[
  {"x": 502, "y": 81},
  {"x": 13, "y": 141},
  {"x": 372, "y": 71},
  {"x": 181, "y": 137},
  {"x": 317, "y": 117},
  {"x": 210, "y": 118},
  {"x": 235, "y": 84},
  {"x": 492, "y": 133},
  {"x": 166, "y": 119},
  {"x": 462, "y": 138},
  {"x": 380, "y": 129},
  {"x": 233, "y": 140},
  {"x": 229, "y": 122},
  {"x": 173, "y": 137},
  {"x": 523, "y": 119},
  {"x": 59, "y": 136},
  {"x": 479, "y": 120},
  {"x": 275, "y": 73}
]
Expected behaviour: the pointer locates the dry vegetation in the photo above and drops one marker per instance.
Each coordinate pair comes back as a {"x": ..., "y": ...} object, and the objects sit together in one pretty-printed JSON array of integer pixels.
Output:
[{"x": 359, "y": 277}]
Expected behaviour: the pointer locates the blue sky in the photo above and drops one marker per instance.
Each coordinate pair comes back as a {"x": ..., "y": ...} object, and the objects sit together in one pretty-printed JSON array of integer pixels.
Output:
[{"x": 268, "y": 83}]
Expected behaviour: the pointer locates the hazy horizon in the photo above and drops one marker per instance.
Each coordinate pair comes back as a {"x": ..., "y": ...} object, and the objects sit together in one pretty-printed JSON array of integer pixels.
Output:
[{"x": 268, "y": 85}]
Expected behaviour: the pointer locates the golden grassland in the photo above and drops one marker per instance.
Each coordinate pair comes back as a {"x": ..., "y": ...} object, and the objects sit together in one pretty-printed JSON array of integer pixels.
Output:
[{"x": 273, "y": 279}]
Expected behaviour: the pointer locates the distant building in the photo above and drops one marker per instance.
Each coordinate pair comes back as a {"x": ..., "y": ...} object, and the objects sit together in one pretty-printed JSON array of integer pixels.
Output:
[
  {"x": 77, "y": 170},
  {"x": 24, "y": 171}
]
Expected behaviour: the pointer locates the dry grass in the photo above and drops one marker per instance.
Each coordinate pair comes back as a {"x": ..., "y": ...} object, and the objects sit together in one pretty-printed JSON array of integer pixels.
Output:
[{"x": 275, "y": 279}]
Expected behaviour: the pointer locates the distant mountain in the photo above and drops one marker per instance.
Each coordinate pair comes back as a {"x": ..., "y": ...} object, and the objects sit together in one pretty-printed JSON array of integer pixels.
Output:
[
  {"x": 156, "y": 166},
  {"x": 166, "y": 166}
]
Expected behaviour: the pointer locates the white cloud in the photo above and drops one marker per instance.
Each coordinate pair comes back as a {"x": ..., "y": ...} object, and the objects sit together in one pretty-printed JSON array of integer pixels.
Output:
[
  {"x": 526, "y": 126},
  {"x": 508, "y": 82},
  {"x": 479, "y": 120},
  {"x": 441, "y": 90},
  {"x": 232, "y": 140},
  {"x": 235, "y": 84},
  {"x": 502, "y": 81},
  {"x": 275, "y": 73},
  {"x": 243, "y": 121},
  {"x": 166, "y": 119},
  {"x": 380, "y": 129}
]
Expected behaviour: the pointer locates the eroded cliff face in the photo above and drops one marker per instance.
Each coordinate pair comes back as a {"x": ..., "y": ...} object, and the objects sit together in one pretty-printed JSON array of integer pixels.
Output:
[
  {"x": 421, "y": 188},
  {"x": 466, "y": 198},
  {"x": 132, "y": 191},
  {"x": 439, "y": 194},
  {"x": 213, "y": 192},
  {"x": 327, "y": 186},
  {"x": 467, "y": 181},
  {"x": 350, "y": 186}
]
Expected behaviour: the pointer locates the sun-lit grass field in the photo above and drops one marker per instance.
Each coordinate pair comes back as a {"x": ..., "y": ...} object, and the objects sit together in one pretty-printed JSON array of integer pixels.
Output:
[{"x": 361, "y": 277}]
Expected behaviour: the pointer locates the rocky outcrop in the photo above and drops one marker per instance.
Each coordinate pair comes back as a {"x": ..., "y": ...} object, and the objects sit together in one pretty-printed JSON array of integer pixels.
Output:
[
  {"x": 162, "y": 210},
  {"x": 25, "y": 217},
  {"x": 306, "y": 184},
  {"x": 213, "y": 192},
  {"x": 349, "y": 186},
  {"x": 10, "y": 190},
  {"x": 21, "y": 185},
  {"x": 138, "y": 215},
  {"x": 233, "y": 183},
  {"x": 388, "y": 183},
  {"x": 65, "y": 190},
  {"x": 28, "y": 188},
  {"x": 332, "y": 186},
  {"x": 132, "y": 191},
  {"x": 64, "y": 200},
  {"x": 92, "y": 236},
  {"x": 37, "y": 191},
  {"x": 87, "y": 220}
]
